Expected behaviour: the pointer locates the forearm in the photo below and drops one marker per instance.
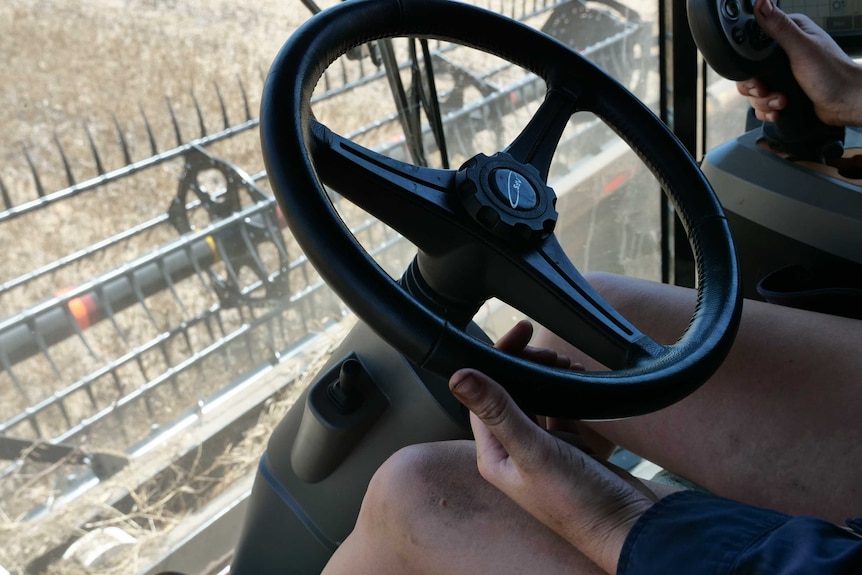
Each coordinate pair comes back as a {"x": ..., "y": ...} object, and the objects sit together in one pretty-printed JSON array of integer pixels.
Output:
[{"x": 690, "y": 532}]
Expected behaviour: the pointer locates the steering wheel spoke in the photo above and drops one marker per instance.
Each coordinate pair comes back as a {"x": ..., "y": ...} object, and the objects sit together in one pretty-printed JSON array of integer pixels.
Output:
[
  {"x": 551, "y": 290},
  {"x": 536, "y": 144},
  {"x": 415, "y": 200}
]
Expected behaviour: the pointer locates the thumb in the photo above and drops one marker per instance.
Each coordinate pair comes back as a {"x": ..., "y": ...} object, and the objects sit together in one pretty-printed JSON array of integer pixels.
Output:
[
  {"x": 777, "y": 24},
  {"x": 496, "y": 409}
]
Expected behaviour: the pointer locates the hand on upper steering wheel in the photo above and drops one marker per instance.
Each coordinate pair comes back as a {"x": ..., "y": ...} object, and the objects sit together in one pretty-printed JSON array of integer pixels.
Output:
[
  {"x": 591, "y": 504},
  {"x": 829, "y": 77}
]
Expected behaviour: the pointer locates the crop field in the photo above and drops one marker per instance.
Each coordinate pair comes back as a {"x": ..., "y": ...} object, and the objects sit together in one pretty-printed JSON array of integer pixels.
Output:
[{"x": 91, "y": 74}]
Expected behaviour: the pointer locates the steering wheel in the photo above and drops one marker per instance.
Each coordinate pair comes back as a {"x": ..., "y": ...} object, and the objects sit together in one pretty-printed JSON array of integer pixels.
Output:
[{"x": 486, "y": 230}]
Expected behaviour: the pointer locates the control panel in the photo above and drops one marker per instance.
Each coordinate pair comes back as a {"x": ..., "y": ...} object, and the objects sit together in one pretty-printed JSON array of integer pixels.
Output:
[{"x": 842, "y": 19}]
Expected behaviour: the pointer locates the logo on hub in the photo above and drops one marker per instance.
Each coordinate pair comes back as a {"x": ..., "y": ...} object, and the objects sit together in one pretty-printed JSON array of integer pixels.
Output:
[{"x": 510, "y": 186}]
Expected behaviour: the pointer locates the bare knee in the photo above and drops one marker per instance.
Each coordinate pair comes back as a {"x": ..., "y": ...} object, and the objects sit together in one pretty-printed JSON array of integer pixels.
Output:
[
  {"x": 604, "y": 281},
  {"x": 421, "y": 487},
  {"x": 393, "y": 520},
  {"x": 427, "y": 510}
]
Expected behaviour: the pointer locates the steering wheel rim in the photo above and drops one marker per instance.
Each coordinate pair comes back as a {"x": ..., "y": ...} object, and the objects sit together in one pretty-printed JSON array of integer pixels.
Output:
[{"x": 291, "y": 140}]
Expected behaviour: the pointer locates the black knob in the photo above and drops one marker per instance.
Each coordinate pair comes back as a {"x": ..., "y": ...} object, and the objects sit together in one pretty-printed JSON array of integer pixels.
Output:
[{"x": 345, "y": 391}]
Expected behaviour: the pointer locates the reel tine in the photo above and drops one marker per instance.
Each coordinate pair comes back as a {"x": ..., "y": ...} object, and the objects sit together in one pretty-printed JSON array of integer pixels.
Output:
[
  {"x": 69, "y": 177},
  {"x": 200, "y": 114},
  {"x": 99, "y": 168},
  {"x": 36, "y": 180},
  {"x": 127, "y": 157},
  {"x": 225, "y": 121},
  {"x": 174, "y": 121},
  {"x": 4, "y": 192},
  {"x": 244, "y": 100},
  {"x": 153, "y": 148}
]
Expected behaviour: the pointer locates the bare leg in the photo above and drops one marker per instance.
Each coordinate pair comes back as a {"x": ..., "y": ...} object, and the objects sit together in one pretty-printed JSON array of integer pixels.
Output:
[
  {"x": 777, "y": 426},
  {"x": 427, "y": 510}
]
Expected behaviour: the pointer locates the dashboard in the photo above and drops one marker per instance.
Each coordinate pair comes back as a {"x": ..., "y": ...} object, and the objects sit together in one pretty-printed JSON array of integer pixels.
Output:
[{"x": 842, "y": 19}]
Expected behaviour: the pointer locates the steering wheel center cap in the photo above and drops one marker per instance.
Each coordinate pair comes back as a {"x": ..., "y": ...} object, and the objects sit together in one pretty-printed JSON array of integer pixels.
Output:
[
  {"x": 512, "y": 187},
  {"x": 507, "y": 198}
]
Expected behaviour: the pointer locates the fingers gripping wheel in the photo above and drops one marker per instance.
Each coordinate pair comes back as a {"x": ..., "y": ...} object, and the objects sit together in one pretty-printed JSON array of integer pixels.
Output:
[
  {"x": 487, "y": 230},
  {"x": 727, "y": 34}
]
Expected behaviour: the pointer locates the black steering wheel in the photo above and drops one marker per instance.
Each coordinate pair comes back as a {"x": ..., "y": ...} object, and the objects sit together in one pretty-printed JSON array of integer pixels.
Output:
[{"x": 486, "y": 230}]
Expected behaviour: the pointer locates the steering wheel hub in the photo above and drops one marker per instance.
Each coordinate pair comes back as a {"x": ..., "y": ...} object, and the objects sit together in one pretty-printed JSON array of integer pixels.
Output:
[{"x": 507, "y": 198}]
